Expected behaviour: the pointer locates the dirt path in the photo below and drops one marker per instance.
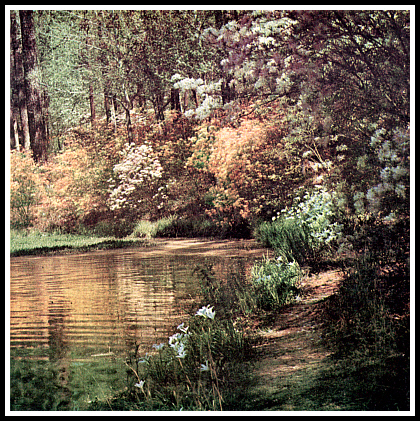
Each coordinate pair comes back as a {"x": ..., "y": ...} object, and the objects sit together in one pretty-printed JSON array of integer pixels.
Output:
[{"x": 291, "y": 353}]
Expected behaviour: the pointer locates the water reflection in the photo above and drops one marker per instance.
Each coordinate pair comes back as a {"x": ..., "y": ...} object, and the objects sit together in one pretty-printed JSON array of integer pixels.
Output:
[
  {"x": 73, "y": 309},
  {"x": 100, "y": 301}
]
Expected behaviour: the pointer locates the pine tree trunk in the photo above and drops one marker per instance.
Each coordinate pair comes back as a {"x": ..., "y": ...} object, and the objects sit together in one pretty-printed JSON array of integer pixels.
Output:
[
  {"x": 37, "y": 132},
  {"x": 18, "y": 82}
]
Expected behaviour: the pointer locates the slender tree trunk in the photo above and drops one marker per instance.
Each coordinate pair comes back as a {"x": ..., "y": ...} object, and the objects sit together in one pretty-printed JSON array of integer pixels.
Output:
[
  {"x": 158, "y": 106},
  {"x": 175, "y": 103},
  {"x": 37, "y": 132},
  {"x": 107, "y": 106},
  {"x": 114, "y": 113},
  {"x": 18, "y": 80},
  {"x": 14, "y": 133},
  {"x": 129, "y": 126},
  {"x": 92, "y": 105}
]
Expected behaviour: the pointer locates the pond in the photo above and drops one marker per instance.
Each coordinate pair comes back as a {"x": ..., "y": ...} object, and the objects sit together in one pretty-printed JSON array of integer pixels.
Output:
[{"x": 75, "y": 318}]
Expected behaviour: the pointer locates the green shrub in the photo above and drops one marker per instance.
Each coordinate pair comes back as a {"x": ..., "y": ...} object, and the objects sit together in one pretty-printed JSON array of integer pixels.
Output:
[
  {"x": 275, "y": 282},
  {"x": 150, "y": 229},
  {"x": 118, "y": 228}
]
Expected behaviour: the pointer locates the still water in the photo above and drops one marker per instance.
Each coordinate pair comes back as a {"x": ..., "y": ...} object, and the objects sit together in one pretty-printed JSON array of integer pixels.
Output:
[{"x": 75, "y": 318}]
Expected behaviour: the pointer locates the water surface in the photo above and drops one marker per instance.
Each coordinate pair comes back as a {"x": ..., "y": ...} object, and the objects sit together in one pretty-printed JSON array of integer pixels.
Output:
[{"x": 76, "y": 317}]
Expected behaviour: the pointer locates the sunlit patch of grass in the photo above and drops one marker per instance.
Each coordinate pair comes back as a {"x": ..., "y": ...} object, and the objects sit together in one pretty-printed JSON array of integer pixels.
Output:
[{"x": 37, "y": 243}]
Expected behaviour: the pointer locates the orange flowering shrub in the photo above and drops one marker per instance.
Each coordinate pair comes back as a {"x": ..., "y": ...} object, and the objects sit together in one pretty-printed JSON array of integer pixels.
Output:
[
  {"x": 71, "y": 191},
  {"x": 254, "y": 166},
  {"x": 247, "y": 162}
]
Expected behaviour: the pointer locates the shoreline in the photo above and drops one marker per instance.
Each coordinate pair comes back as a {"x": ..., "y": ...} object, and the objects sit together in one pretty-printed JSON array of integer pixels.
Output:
[{"x": 65, "y": 244}]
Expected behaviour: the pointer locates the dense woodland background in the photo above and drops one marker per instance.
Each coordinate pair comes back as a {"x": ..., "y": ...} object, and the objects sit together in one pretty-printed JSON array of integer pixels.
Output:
[{"x": 238, "y": 108}]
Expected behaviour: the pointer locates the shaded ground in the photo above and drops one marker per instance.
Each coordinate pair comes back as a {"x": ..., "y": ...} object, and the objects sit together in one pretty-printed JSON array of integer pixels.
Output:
[{"x": 291, "y": 353}]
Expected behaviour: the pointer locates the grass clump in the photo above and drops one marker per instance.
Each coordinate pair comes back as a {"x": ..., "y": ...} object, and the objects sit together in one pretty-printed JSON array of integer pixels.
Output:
[{"x": 287, "y": 237}]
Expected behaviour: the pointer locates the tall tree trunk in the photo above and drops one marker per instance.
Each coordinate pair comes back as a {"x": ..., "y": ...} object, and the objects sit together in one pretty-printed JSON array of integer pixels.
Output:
[
  {"x": 14, "y": 134},
  {"x": 37, "y": 132},
  {"x": 114, "y": 112},
  {"x": 18, "y": 80},
  {"x": 158, "y": 105}
]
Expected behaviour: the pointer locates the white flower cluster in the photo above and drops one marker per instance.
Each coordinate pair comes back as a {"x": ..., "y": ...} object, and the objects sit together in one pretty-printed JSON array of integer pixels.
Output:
[
  {"x": 209, "y": 94},
  {"x": 138, "y": 168},
  {"x": 178, "y": 342},
  {"x": 187, "y": 83}
]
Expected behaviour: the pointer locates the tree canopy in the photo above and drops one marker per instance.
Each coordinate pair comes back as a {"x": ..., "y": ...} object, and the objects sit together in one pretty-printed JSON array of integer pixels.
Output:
[{"x": 263, "y": 100}]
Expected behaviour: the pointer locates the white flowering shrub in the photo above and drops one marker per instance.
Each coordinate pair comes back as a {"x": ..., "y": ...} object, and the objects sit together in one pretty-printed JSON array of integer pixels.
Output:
[
  {"x": 390, "y": 196},
  {"x": 304, "y": 231},
  {"x": 136, "y": 179},
  {"x": 315, "y": 212}
]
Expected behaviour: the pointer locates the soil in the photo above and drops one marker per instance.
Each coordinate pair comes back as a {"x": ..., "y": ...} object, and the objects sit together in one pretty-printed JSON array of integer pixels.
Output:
[{"x": 291, "y": 351}]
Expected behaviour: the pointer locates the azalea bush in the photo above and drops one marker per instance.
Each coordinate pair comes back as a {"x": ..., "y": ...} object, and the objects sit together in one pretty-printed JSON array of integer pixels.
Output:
[
  {"x": 135, "y": 187},
  {"x": 253, "y": 167},
  {"x": 194, "y": 370},
  {"x": 72, "y": 189}
]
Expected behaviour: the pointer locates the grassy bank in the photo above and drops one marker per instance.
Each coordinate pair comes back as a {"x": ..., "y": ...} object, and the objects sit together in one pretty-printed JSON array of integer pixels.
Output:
[
  {"x": 24, "y": 243},
  {"x": 109, "y": 235}
]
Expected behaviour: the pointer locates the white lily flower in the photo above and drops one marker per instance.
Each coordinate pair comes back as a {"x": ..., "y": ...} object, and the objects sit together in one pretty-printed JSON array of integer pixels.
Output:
[
  {"x": 206, "y": 311},
  {"x": 158, "y": 347},
  {"x": 205, "y": 367},
  {"x": 140, "y": 385},
  {"x": 181, "y": 352},
  {"x": 182, "y": 328}
]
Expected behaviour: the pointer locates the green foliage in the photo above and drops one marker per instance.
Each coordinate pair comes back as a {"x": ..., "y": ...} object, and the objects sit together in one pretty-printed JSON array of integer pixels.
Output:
[
  {"x": 275, "y": 282},
  {"x": 28, "y": 384},
  {"x": 287, "y": 237}
]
